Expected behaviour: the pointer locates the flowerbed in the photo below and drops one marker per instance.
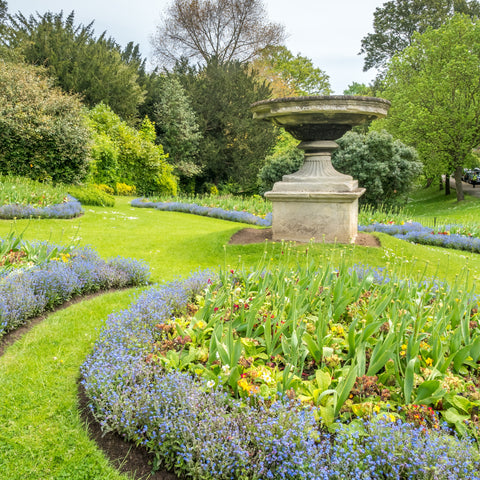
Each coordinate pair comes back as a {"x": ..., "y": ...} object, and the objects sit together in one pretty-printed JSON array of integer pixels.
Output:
[
  {"x": 417, "y": 233},
  {"x": 242, "y": 376},
  {"x": 410, "y": 231},
  {"x": 31, "y": 284},
  {"x": 69, "y": 208},
  {"x": 215, "y": 212}
]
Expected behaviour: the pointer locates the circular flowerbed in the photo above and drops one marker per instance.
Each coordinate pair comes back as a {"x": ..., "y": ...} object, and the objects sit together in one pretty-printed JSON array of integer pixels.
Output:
[{"x": 305, "y": 372}]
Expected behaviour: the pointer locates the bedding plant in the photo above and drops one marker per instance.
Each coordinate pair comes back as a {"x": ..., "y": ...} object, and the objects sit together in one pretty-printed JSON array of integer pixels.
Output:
[
  {"x": 38, "y": 276},
  {"x": 304, "y": 371},
  {"x": 22, "y": 197}
]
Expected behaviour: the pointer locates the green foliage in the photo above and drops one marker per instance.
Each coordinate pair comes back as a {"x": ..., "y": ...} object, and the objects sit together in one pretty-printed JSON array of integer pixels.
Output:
[
  {"x": 125, "y": 190},
  {"x": 91, "y": 195},
  {"x": 80, "y": 63},
  {"x": 121, "y": 154},
  {"x": 433, "y": 86},
  {"x": 356, "y": 88},
  {"x": 233, "y": 145},
  {"x": 24, "y": 191},
  {"x": 385, "y": 167},
  {"x": 285, "y": 159},
  {"x": 178, "y": 128},
  {"x": 396, "y": 22},
  {"x": 43, "y": 134},
  {"x": 291, "y": 75}
]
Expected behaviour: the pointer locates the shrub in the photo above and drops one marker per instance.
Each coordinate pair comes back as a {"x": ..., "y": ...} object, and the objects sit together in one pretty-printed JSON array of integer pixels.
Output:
[
  {"x": 125, "y": 190},
  {"x": 278, "y": 165},
  {"x": 43, "y": 134},
  {"x": 122, "y": 154},
  {"x": 105, "y": 188},
  {"x": 384, "y": 166},
  {"x": 91, "y": 195}
]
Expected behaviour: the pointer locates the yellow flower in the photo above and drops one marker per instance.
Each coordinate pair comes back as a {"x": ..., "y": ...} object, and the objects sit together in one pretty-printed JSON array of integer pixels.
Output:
[{"x": 429, "y": 361}]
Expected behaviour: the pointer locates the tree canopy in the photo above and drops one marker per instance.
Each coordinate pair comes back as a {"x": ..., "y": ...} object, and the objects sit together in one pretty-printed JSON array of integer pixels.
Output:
[
  {"x": 290, "y": 75},
  {"x": 201, "y": 30},
  {"x": 233, "y": 145},
  {"x": 94, "y": 67},
  {"x": 433, "y": 86},
  {"x": 396, "y": 21}
]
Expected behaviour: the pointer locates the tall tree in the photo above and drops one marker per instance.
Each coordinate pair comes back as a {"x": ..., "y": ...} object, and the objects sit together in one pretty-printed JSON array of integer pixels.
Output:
[
  {"x": 226, "y": 30},
  {"x": 433, "y": 86},
  {"x": 396, "y": 21},
  {"x": 94, "y": 67},
  {"x": 291, "y": 75},
  {"x": 178, "y": 127},
  {"x": 233, "y": 145}
]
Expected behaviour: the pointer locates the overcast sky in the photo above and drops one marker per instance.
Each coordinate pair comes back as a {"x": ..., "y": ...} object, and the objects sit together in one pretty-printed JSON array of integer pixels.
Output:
[{"x": 328, "y": 32}]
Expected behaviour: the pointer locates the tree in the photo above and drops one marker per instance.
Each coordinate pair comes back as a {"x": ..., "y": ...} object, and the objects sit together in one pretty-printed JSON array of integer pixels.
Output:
[
  {"x": 179, "y": 133},
  {"x": 385, "y": 167},
  {"x": 290, "y": 75},
  {"x": 396, "y": 21},
  {"x": 433, "y": 87},
  {"x": 361, "y": 89},
  {"x": 226, "y": 30},
  {"x": 43, "y": 134},
  {"x": 96, "y": 68},
  {"x": 233, "y": 145}
]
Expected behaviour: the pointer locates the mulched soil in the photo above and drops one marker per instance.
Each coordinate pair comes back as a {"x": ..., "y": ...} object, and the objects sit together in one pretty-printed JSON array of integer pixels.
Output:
[{"x": 124, "y": 456}]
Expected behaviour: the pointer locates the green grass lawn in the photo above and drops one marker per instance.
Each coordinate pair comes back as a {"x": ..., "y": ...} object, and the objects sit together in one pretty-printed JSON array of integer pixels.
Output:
[{"x": 41, "y": 433}]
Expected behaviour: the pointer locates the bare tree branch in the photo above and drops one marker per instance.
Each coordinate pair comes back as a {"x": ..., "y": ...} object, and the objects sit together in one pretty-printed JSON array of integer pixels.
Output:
[{"x": 224, "y": 29}]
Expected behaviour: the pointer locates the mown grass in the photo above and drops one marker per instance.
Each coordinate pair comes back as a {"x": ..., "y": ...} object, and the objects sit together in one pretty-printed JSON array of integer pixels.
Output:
[{"x": 41, "y": 434}]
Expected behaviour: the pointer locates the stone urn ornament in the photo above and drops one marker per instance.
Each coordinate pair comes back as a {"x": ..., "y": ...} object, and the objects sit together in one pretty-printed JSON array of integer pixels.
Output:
[{"x": 317, "y": 202}]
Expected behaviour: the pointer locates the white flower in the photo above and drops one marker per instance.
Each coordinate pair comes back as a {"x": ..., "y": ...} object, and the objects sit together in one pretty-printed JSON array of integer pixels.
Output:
[{"x": 211, "y": 383}]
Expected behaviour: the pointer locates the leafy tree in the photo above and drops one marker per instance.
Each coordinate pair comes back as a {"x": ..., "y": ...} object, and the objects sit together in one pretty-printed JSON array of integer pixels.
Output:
[
  {"x": 225, "y": 30},
  {"x": 291, "y": 75},
  {"x": 385, "y": 167},
  {"x": 396, "y": 21},
  {"x": 122, "y": 154},
  {"x": 179, "y": 133},
  {"x": 96, "y": 68},
  {"x": 233, "y": 145},
  {"x": 433, "y": 86},
  {"x": 356, "y": 89},
  {"x": 43, "y": 134}
]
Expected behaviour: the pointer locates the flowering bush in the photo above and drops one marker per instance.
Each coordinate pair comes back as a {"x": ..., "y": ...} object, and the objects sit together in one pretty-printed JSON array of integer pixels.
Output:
[
  {"x": 193, "y": 208},
  {"x": 27, "y": 292},
  {"x": 240, "y": 375}
]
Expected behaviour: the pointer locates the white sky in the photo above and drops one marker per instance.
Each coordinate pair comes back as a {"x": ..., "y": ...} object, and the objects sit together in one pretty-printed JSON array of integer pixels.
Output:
[{"x": 328, "y": 32}]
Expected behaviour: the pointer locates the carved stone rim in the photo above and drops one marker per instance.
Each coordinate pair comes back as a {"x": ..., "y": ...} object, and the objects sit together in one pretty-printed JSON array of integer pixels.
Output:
[{"x": 326, "y": 98}]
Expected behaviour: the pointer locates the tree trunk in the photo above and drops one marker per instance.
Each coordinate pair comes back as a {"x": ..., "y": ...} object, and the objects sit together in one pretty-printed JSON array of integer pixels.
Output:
[
  {"x": 458, "y": 183},
  {"x": 447, "y": 184},
  {"x": 440, "y": 183}
]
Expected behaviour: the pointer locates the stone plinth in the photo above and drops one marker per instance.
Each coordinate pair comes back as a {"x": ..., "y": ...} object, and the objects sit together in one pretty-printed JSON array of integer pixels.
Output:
[{"x": 302, "y": 216}]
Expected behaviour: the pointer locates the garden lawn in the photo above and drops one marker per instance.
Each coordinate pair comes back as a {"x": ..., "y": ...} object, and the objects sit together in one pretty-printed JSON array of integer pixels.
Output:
[{"x": 41, "y": 434}]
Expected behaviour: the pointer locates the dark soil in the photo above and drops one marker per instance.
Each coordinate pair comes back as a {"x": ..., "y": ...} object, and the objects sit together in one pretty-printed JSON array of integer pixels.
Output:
[
  {"x": 259, "y": 235},
  {"x": 124, "y": 456}
]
